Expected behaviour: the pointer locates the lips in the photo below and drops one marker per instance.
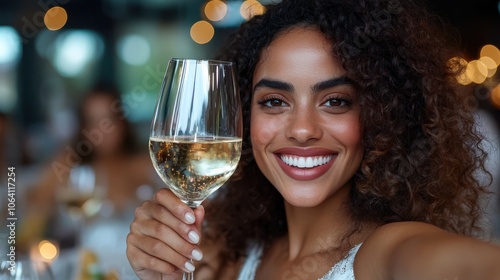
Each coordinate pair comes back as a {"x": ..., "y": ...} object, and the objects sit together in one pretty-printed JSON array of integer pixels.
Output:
[{"x": 305, "y": 164}]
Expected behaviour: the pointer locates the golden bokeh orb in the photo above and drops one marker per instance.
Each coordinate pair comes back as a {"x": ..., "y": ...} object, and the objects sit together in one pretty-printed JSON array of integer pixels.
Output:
[
  {"x": 55, "y": 18},
  {"x": 47, "y": 250},
  {"x": 251, "y": 8},
  {"x": 215, "y": 10},
  {"x": 202, "y": 32}
]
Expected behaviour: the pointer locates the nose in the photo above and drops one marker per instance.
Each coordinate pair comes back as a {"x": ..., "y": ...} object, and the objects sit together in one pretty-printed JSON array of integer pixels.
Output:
[{"x": 304, "y": 125}]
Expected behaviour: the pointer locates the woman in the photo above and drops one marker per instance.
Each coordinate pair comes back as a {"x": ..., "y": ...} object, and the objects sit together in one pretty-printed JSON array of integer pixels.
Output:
[
  {"x": 105, "y": 143},
  {"x": 359, "y": 158}
]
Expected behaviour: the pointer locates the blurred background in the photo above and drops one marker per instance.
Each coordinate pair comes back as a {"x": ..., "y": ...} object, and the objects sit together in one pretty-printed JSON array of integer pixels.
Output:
[{"x": 57, "y": 57}]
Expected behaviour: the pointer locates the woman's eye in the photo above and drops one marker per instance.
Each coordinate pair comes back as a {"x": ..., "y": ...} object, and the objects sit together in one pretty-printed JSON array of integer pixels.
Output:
[
  {"x": 336, "y": 102},
  {"x": 273, "y": 102}
]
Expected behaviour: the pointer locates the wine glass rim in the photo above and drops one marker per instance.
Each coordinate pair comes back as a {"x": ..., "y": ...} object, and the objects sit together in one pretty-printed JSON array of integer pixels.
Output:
[{"x": 198, "y": 60}]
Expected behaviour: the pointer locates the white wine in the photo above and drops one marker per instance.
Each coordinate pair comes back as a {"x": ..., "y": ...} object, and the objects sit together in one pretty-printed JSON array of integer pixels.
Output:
[{"x": 194, "y": 169}]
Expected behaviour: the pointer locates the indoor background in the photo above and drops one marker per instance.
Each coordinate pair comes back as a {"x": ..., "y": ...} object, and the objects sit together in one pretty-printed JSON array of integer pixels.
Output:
[{"x": 53, "y": 51}]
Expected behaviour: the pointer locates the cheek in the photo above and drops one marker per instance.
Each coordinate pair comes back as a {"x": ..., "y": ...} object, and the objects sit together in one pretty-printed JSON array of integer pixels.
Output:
[
  {"x": 263, "y": 130},
  {"x": 348, "y": 132},
  {"x": 351, "y": 135}
]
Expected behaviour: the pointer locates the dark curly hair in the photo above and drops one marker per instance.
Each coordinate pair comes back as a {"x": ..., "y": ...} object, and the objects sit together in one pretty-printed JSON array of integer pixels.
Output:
[{"x": 421, "y": 149}]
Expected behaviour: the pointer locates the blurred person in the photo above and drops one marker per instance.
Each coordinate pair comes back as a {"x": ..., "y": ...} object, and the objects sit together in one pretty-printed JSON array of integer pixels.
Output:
[{"x": 105, "y": 143}]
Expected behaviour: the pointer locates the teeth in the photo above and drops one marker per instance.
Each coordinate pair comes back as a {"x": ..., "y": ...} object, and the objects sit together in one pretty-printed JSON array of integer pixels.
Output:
[{"x": 305, "y": 162}]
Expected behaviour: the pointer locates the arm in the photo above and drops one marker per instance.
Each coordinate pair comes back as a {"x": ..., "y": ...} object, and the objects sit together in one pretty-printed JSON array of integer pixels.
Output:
[{"x": 418, "y": 251}]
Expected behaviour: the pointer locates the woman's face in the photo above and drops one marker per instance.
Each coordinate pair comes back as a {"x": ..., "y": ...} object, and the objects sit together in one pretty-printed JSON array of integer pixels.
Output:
[
  {"x": 305, "y": 129},
  {"x": 101, "y": 123}
]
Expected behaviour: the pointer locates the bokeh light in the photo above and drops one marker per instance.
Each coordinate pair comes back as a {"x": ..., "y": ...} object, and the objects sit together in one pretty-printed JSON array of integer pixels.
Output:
[
  {"x": 495, "y": 96},
  {"x": 458, "y": 65},
  {"x": 134, "y": 49},
  {"x": 476, "y": 71},
  {"x": 55, "y": 18},
  {"x": 490, "y": 65},
  {"x": 251, "y": 8},
  {"x": 492, "y": 52},
  {"x": 215, "y": 10},
  {"x": 75, "y": 50},
  {"x": 10, "y": 45},
  {"x": 48, "y": 250},
  {"x": 202, "y": 32}
]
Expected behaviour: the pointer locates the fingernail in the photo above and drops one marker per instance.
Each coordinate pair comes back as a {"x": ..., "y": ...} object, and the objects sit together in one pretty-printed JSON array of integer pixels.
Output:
[
  {"x": 189, "y": 218},
  {"x": 197, "y": 255},
  {"x": 189, "y": 266},
  {"x": 194, "y": 237}
]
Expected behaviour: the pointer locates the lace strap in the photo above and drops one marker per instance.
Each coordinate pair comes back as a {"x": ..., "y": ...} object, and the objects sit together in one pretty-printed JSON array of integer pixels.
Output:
[
  {"x": 251, "y": 263},
  {"x": 344, "y": 269}
]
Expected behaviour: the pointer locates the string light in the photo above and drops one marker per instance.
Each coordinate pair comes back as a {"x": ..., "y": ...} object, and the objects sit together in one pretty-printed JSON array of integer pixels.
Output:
[
  {"x": 458, "y": 64},
  {"x": 476, "y": 71},
  {"x": 251, "y": 8},
  {"x": 215, "y": 10},
  {"x": 492, "y": 52},
  {"x": 55, "y": 18},
  {"x": 48, "y": 251},
  {"x": 202, "y": 32},
  {"x": 490, "y": 65}
]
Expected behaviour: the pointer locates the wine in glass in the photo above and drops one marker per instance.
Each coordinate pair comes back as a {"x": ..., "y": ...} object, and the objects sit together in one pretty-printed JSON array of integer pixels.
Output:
[
  {"x": 196, "y": 132},
  {"x": 81, "y": 197}
]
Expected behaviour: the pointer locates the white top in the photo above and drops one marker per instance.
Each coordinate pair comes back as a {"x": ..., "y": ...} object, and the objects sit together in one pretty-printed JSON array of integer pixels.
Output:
[{"x": 343, "y": 270}]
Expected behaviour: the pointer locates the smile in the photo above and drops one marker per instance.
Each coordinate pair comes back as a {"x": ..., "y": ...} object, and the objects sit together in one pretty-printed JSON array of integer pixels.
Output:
[{"x": 305, "y": 162}]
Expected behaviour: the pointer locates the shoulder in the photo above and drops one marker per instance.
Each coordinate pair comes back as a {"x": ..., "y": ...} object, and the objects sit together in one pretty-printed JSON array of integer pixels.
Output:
[{"x": 379, "y": 248}]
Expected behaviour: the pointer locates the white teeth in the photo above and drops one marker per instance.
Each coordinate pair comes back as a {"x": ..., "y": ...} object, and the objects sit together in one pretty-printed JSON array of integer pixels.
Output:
[{"x": 305, "y": 162}]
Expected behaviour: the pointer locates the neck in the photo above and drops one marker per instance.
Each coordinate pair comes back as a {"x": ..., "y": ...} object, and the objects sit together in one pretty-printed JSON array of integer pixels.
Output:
[{"x": 320, "y": 228}]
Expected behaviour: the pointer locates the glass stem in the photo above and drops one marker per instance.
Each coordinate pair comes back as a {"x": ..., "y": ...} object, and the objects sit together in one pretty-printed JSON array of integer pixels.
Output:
[{"x": 188, "y": 276}]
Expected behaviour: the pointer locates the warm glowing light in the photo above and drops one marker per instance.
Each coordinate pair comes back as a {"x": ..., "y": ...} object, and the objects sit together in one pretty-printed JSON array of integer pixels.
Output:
[
  {"x": 490, "y": 64},
  {"x": 215, "y": 10},
  {"x": 456, "y": 63},
  {"x": 492, "y": 52},
  {"x": 476, "y": 71},
  {"x": 495, "y": 96},
  {"x": 55, "y": 18},
  {"x": 202, "y": 32},
  {"x": 47, "y": 250},
  {"x": 251, "y": 8}
]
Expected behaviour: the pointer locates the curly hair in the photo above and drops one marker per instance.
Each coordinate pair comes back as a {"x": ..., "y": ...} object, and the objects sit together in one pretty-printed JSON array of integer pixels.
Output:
[{"x": 421, "y": 149}]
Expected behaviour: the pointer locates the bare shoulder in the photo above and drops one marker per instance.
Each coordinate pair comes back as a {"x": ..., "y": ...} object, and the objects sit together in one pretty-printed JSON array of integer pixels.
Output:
[
  {"x": 404, "y": 248},
  {"x": 374, "y": 256}
]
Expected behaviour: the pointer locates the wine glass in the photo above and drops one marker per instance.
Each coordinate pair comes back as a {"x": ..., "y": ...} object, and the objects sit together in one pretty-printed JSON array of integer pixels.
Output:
[
  {"x": 196, "y": 132},
  {"x": 25, "y": 269},
  {"x": 81, "y": 196}
]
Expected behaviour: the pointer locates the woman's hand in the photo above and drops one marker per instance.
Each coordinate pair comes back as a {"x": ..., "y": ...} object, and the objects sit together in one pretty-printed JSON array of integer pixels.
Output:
[{"x": 164, "y": 237}]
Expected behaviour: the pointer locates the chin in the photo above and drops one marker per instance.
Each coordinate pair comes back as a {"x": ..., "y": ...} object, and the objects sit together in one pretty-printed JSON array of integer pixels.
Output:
[{"x": 303, "y": 199}]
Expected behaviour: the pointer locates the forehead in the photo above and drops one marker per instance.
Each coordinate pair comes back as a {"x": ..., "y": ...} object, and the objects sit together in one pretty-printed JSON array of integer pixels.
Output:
[{"x": 297, "y": 52}]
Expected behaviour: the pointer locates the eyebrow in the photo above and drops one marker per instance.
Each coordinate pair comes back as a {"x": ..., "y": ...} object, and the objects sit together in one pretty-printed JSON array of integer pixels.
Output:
[
  {"x": 280, "y": 85},
  {"x": 275, "y": 84},
  {"x": 342, "y": 80}
]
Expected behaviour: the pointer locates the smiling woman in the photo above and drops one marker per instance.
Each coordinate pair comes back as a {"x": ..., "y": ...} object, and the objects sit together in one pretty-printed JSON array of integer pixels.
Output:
[
  {"x": 359, "y": 157},
  {"x": 293, "y": 79}
]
